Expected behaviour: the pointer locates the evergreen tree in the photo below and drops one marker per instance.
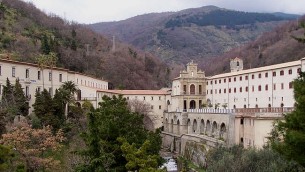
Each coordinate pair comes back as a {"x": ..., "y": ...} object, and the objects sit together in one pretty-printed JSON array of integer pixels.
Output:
[
  {"x": 288, "y": 136},
  {"x": 105, "y": 125},
  {"x": 8, "y": 109},
  {"x": 45, "y": 47},
  {"x": 20, "y": 99}
]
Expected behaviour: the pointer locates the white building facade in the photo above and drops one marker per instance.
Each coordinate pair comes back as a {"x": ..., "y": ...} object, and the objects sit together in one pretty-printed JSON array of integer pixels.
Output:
[
  {"x": 33, "y": 78},
  {"x": 269, "y": 86}
]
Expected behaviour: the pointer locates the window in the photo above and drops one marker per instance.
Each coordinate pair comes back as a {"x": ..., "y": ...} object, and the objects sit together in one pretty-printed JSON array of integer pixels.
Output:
[
  {"x": 290, "y": 85},
  {"x": 290, "y": 71},
  {"x": 0, "y": 89},
  {"x": 259, "y": 88},
  {"x": 127, "y": 98},
  {"x": 252, "y": 88},
  {"x": 60, "y": 77},
  {"x": 273, "y": 73},
  {"x": 207, "y": 91},
  {"x": 234, "y": 79},
  {"x": 159, "y": 97},
  {"x": 215, "y": 81},
  {"x": 242, "y": 121},
  {"x": 229, "y": 79},
  {"x": 246, "y": 77},
  {"x": 259, "y": 75},
  {"x": 38, "y": 75},
  {"x": 151, "y": 107},
  {"x": 229, "y": 90},
  {"x": 234, "y": 90},
  {"x": 207, "y": 83},
  {"x": 240, "y": 78},
  {"x": 184, "y": 89},
  {"x": 253, "y": 76},
  {"x": 247, "y": 89},
  {"x": 215, "y": 91},
  {"x": 274, "y": 86},
  {"x": 281, "y": 72},
  {"x": 211, "y": 91},
  {"x": 220, "y": 81},
  {"x": 50, "y": 76},
  {"x": 225, "y": 80},
  {"x": 282, "y": 86},
  {"x": 13, "y": 71},
  {"x": 266, "y": 87},
  {"x": 0, "y": 70},
  {"x": 211, "y": 82},
  {"x": 27, "y": 91},
  {"x": 224, "y": 90},
  {"x": 152, "y": 98},
  {"x": 50, "y": 91},
  {"x": 200, "y": 89},
  {"x": 266, "y": 75},
  {"x": 159, "y": 106},
  {"x": 39, "y": 89},
  {"x": 27, "y": 73},
  {"x": 299, "y": 70},
  {"x": 144, "y": 98},
  {"x": 240, "y": 89},
  {"x": 219, "y": 91}
]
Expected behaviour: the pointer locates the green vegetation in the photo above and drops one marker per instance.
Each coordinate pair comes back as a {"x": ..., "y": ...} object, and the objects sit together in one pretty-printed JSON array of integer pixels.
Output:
[
  {"x": 113, "y": 132},
  {"x": 219, "y": 18},
  {"x": 288, "y": 136},
  {"x": 238, "y": 159}
]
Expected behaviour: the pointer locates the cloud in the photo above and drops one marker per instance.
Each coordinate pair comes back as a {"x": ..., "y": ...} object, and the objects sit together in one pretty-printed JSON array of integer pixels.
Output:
[{"x": 90, "y": 11}]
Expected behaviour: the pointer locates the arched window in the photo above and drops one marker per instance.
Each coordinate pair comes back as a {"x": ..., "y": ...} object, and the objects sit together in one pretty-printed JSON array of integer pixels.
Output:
[
  {"x": 223, "y": 131},
  {"x": 192, "y": 104},
  {"x": 194, "y": 126},
  {"x": 192, "y": 89},
  {"x": 202, "y": 127}
]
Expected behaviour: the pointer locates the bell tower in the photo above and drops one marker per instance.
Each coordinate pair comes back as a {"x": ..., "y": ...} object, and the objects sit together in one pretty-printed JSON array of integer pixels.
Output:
[{"x": 236, "y": 64}]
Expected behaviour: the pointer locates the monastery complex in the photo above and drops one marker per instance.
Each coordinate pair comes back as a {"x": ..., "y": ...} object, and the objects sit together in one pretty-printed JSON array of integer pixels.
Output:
[{"x": 238, "y": 107}]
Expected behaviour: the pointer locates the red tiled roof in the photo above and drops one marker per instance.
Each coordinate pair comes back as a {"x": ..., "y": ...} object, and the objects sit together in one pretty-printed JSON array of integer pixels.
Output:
[{"x": 136, "y": 92}]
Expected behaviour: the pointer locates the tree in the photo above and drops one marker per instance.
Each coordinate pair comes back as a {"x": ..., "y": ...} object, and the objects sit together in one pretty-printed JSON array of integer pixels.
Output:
[
  {"x": 20, "y": 99},
  {"x": 139, "y": 159},
  {"x": 301, "y": 39},
  {"x": 35, "y": 147},
  {"x": 105, "y": 125},
  {"x": 5, "y": 156},
  {"x": 288, "y": 136}
]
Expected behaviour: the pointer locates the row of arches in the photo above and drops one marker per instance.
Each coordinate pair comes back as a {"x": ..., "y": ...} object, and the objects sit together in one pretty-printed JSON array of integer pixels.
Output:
[{"x": 209, "y": 128}]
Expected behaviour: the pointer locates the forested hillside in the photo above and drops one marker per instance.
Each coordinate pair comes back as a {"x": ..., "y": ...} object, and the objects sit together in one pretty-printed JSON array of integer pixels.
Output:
[
  {"x": 192, "y": 34},
  {"x": 276, "y": 46},
  {"x": 27, "y": 32}
]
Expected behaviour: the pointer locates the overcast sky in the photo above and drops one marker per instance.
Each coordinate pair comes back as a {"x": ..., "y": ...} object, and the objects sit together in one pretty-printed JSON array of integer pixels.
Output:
[{"x": 91, "y": 11}]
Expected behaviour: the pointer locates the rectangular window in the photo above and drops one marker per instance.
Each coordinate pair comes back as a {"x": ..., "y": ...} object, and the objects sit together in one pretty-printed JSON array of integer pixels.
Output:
[
  {"x": 0, "y": 70},
  {"x": 266, "y": 87},
  {"x": 234, "y": 79},
  {"x": 247, "y": 89},
  {"x": 219, "y": 91},
  {"x": 281, "y": 72},
  {"x": 159, "y": 97},
  {"x": 225, "y": 80},
  {"x": 27, "y": 73},
  {"x": 0, "y": 89},
  {"x": 13, "y": 71},
  {"x": 144, "y": 98},
  {"x": 274, "y": 86},
  {"x": 200, "y": 89},
  {"x": 211, "y": 91},
  {"x": 60, "y": 77},
  {"x": 290, "y": 71},
  {"x": 266, "y": 75},
  {"x": 159, "y": 106},
  {"x": 38, "y": 75},
  {"x": 220, "y": 81},
  {"x": 273, "y": 73},
  {"x": 27, "y": 91},
  {"x": 50, "y": 91},
  {"x": 234, "y": 90},
  {"x": 290, "y": 85},
  {"x": 184, "y": 89},
  {"x": 151, "y": 107},
  {"x": 215, "y": 81},
  {"x": 259, "y": 88},
  {"x": 152, "y": 98},
  {"x": 229, "y": 90},
  {"x": 259, "y": 75},
  {"x": 246, "y": 77},
  {"x": 252, "y": 76},
  {"x": 225, "y": 91},
  {"x": 229, "y": 79},
  {"x": 282, "y": 86},
  {"x": 39, "y": 89},
  {"x": 215, "y": 91},
  {"x": 240, "y": 78},
  {"x": 50, "y": 76},
  {"x": 252, "y": 88}
]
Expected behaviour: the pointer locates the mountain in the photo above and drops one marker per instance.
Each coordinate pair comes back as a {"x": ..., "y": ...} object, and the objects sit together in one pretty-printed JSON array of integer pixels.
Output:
[
  {"x": 276, "y": 46},
  {"x": 26, "y": 32},
  {"x": 192, "y": 34}
]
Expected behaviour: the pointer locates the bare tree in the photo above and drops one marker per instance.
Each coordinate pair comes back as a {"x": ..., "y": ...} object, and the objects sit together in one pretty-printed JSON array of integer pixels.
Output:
[{"x": 143, "y": 108}]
